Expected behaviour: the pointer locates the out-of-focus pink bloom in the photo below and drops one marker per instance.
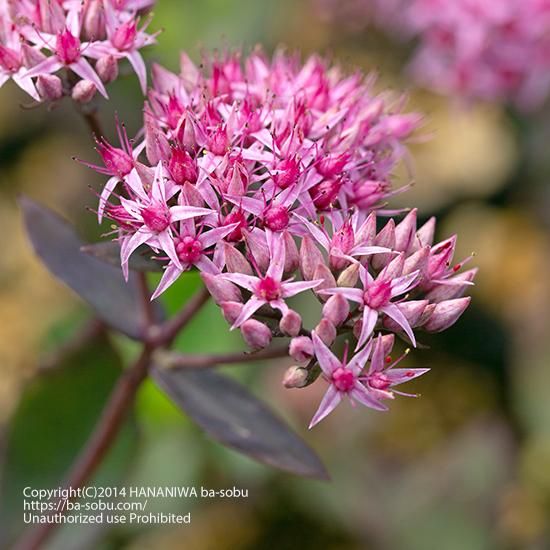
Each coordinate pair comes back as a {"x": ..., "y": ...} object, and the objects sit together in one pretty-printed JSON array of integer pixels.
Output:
[{"x": 39, "y": 38}]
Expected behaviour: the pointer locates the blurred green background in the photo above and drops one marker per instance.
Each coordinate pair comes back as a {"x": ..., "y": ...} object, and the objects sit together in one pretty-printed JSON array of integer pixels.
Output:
[{"x": 466, "y": 466}]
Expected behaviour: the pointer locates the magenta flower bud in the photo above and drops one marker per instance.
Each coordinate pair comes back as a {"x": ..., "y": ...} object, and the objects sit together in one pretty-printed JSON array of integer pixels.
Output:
[
  {"x": 324, "y": 194},
  {"x": 125, "y": 36},
  {"x": 395, "y": 268},
  {"x": 157, "y": 147},
  {"x": 257, "y": 245},
  {"x": 276, "y": 218},
  {"x": 156, "y": 217},
  {"x": 405, "y": 232},
  {"x": 288, "y": 173},
  {"x": 67, "y": 47},
  {"x": 349, "y": 276},
  {"x": 237, "y": 216},
  {"x": 387, "y": 344},
  {"x": 446, "y": 314},
  {"x": 256, "y": 335},
  {"x": 413, "y": 310},
  {"x": 336, "y": 309},
  {"x": 332, "y": 165},
  {"x": 301, "y": 349},
  {"x": 231, "y": 311},
  {"x": 94, "y": 21},
  {"x": 310, "y": 258},
  {"x": 417, "y": 261},
  {"x": 292, "y": 256},
  {"x": 84, "y": 91},
  {"x": 426, "y": 314},
  {"x": 107, "y": 68},
  {"x": 385, "y": 238},
  {"x": 366, "y": 194},
  {"x": 218, "y": 142},
  {"x": 326, "y": 331},
  {"x": 295, "y": 377},
  {"x": 182, "y": 167},
  {"x": 367, "y": 232},
  {"x": 220, "y": 289},
  {"x": 454, "y": 287},
  {"x": 235, "y": 261},
  {"x": 290, "y": 323},
  {"x": 9, "y": 59},
  {"x": 324, "y": 273},
  {"x": 49, "y": 87}
]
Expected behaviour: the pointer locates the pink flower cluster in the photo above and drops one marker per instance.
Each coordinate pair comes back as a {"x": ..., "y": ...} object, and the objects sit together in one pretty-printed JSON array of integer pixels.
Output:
[
  {"x": 490, "y": 49},
  {"x": 495, "y": 49},
  {"x": 271, "y": 178},
  {"x": 88, "y": 38}
]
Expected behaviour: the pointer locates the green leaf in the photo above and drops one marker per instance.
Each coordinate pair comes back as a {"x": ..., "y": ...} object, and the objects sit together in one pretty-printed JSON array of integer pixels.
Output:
[{"x": 231, "y": 415}]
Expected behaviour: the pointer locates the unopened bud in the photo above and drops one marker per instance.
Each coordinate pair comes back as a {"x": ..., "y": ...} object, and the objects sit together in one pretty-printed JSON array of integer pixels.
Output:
[
  {"x": 94, "y": 20},
  {"x": 425, "y": 235},
  {"x": 454, "y": 287},
  {"x": 290, "y": 323},
  {"x": 323, "y": 273},
  {"x": 84, "y": 91},
  {"x": 191, "y": 195},
  {"x": 235, "y": 260},
  {"x": 326, "y": 331},
  {"x": 405, "y": 232},
  {"x": 107, "y": 68},
  {"x": 413, "y": 310},
  {"x": 231, "y": 311},
  {"x": 385, "y": 238},
  {"x": 336, "y": 309},
  {"x": 256, "y": 335},
  {"x": 220, "y": 289},
  {"x": 349, "y": 276},
  {"x": 446, "y": 314},
  {"x": 417, "y": 261},
  {"x": 257, "y": 245},
  {"x": 292, "y": 256},
  {"x": 301, "y": 349},
  {"x": 310, "y": 258},
  {"x": 295, "y": 377},
  {"x": 49, "y": 87}
]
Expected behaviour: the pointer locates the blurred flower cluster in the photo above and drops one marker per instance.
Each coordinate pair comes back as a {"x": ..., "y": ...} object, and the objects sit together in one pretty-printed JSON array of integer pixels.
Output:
[
  {"x": 88, "y": 38},
  {"x": 469, "y": 48},
  {"x": 260, "y": 171}
]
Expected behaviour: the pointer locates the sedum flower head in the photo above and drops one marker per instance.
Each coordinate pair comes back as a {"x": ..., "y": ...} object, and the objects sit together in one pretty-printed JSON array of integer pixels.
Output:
[{"x": 270, "y": 177}]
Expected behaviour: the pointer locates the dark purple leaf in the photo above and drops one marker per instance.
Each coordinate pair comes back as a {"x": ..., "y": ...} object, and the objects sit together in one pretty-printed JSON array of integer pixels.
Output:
[
  {"x": 109, "y": 251},
  {"x": 231, "y": 415},
  {"x": 99, "y": 284}
]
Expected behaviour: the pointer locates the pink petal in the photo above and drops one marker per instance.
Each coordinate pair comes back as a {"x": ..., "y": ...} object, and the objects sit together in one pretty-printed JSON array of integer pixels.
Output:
[
  {"x": 327, "y": 360},
  {"x": 170, "y": 276},
  {"x": 213, "y": 236},
  {"x": 129, "y": 245},
  {"x": 48, "y": 66},
  {"x": 245, "y": 281},
  {"x": 395, "y": 313},
  {"x": 178, "y": 213},
  {"x": 166, "y": 242},
  {"x": 361, "y": 394},
  {"x": 329, "y": 402},
  {"x": 105, "y": 194},
  {"x": 404, "y": 283},
  {"x": 83, "y": 69},
  {"x": 291, "y": 289},
  {"x": 353, "y": 294},
  {"x": 253, "y": 305},
  {"x": 370, "y": 316},
  {"x": 138, "y": 64},
  {"x": 399, "y": 376}
]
